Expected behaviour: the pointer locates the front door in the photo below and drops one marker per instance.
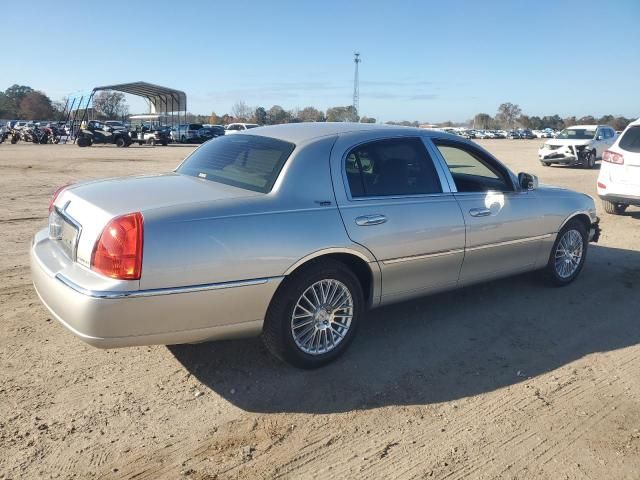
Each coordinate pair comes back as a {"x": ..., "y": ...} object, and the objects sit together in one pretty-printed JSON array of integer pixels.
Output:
[
  {"x": 396, "y": 202},
  {"x": 503, "y": 232}
]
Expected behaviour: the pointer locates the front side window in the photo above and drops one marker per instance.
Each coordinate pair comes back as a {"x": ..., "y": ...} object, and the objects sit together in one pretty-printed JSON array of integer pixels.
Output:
[
  {"x": 471, "y": 170},
  {"x": 391, "y": 167},
  {"x": 245, "y": 161}
]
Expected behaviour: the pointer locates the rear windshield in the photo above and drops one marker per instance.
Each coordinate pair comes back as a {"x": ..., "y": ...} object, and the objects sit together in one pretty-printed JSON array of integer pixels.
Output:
[
  {"x": 630, "y": 141},
  {"x": 245, "y": 161}
]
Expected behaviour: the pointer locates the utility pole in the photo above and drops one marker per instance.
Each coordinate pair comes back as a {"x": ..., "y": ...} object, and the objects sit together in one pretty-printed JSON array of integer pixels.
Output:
[{"x": 356, "y": 86}]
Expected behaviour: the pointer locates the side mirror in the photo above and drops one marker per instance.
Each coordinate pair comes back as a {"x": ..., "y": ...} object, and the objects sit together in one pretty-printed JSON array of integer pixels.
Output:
[
  {"x": 527, "y": 181},
  {"x": 599, "y": 137}
]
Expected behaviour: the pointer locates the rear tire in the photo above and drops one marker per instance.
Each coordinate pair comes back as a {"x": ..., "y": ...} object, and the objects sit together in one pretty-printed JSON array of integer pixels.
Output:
[
  {"x": 120, "y": 142},
  {"x": 292, "y": 322},
  {"x": 545, "y": 164},
  {"x": 614, "y": 208},
  {"x": 568, "y": 254}
]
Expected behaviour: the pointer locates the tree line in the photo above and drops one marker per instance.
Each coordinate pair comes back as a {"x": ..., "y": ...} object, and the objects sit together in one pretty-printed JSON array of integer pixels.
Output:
[
  {"x": 22, "y": 102},
  {"x": 241, "y": 112},
  {"x": 510, "y": 116}
]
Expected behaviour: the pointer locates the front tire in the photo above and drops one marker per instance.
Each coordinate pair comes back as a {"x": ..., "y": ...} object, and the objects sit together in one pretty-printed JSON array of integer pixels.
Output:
[
  {"x": 568, "y": 254},
  {"x": 614, "y": 208},
  {"x": 545, "y": 164},
  {"x": 314, "y": 315},
  {"x": 120, "y": 142},
  {"x": 589, "y": 160}
]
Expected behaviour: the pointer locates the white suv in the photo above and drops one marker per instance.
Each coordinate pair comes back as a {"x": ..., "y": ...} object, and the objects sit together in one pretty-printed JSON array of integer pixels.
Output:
[
  {"x": 578, "y": 145},
  {"x": 619, "y": 178}
]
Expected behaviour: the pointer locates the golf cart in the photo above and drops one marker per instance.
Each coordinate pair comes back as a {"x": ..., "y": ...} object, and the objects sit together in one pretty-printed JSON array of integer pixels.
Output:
[
  {"x": 149, "y": 129},
  {"x": 97, "y": 132}
]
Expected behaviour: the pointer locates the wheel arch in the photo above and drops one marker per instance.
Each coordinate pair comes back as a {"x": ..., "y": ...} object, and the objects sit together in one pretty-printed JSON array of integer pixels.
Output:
[
  {"x": 582, "y": 217},
  {"x": 366, "y": 269}
]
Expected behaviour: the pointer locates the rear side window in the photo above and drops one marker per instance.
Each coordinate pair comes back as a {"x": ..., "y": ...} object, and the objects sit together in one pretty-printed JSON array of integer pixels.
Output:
[
  {"x": 630, "y": 140},
  {"x": 244, "y": 161},
  {"x": 391, "y": 167}
]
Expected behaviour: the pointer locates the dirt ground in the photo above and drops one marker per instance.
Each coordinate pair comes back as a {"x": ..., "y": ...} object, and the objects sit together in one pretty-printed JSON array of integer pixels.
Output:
[{"x": 512, "y": 379}]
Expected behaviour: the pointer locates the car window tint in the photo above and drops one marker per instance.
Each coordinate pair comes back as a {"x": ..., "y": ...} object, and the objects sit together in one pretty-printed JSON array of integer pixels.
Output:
[
  {"x": 244, "y": 161},
  {"x": 391, "y": 167},
  {"x": 630, "y": 140},
  {"x": 470, "y": 171}
]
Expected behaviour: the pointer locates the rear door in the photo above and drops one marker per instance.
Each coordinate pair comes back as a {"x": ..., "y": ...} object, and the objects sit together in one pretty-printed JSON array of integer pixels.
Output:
[
  {"x": 396, "y": 202},
  {"x": 503, "y": 224}
]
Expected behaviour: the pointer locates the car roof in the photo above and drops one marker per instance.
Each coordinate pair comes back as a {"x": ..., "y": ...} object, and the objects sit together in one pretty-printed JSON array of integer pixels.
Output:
[
  {"x": 303, "y": 132},
  {"x": 585, "y": 126}
]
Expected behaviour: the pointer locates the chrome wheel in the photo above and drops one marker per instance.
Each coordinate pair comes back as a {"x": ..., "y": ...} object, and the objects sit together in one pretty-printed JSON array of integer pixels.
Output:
[
  {"x": 322, "y": 317},
  {"x": 568, "y": 253}
]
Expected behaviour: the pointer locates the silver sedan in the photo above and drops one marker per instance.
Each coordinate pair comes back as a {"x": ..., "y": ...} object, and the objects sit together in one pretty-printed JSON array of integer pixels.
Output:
[{"x": 294, "y": 232}]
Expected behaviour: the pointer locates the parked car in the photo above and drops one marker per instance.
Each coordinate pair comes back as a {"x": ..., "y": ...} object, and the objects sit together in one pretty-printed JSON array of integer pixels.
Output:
[
  {"x": 295, "y": 231},
  {"x": 186, "y": 132},
  {"x": 578, "y": 145},
  {"x": 239, "y": 127},
  {"x": 619, "y": 178},
  {"x": 207, "y": 133},
  {"x": 526, "y": 134},
  {"x": 115, "y": 125},
  {"x": 513, "y": 135}
]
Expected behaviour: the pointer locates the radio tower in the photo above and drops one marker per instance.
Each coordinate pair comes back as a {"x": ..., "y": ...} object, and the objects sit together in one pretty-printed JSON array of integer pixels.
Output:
[{"x": 356, "y": 85}]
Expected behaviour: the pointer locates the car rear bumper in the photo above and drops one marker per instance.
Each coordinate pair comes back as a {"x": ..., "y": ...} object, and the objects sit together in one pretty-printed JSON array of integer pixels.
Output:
[
  {"x": 109, "y": 319},
  {"x": 620, "y": 198}
]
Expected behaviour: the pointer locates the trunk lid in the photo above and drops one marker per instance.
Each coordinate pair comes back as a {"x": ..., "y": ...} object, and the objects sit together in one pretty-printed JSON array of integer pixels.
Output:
[{"x": 90, "y": 206}]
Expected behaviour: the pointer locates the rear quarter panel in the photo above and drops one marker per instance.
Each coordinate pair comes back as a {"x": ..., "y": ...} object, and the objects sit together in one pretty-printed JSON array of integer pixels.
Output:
[{"x": 255, "y": 237}]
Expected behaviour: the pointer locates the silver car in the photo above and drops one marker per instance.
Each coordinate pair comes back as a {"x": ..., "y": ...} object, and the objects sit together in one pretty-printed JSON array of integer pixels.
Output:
[{"x": 294, "y": 232}]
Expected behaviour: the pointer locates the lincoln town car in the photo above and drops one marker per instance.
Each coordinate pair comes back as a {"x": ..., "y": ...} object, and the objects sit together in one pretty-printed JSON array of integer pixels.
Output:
[{"x": 293, "y": 232}]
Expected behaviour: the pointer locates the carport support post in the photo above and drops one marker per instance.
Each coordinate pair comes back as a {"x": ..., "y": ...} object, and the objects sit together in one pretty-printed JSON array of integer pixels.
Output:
[
  {"x": 84, "y": 115},
  {"x": 68, "y": 118}
]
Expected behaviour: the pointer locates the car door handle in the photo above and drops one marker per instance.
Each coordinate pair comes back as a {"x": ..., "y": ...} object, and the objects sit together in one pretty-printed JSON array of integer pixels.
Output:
[
  {"x": 479, "y": 212},
  {"x": 366, "y": 220}
]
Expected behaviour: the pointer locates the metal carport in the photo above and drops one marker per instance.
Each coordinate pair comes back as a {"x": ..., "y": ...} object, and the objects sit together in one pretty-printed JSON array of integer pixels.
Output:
[{"x": 162, "y": 100}]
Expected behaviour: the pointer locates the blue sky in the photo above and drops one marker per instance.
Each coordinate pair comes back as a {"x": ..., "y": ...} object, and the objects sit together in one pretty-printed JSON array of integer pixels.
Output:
[{"x": 427, "y": 61}]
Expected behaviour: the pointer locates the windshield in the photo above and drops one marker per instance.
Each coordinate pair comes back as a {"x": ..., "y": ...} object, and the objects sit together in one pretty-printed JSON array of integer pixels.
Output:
[
  {"x": 577, "y": 134},
  {"x": 245, "y": 161}
]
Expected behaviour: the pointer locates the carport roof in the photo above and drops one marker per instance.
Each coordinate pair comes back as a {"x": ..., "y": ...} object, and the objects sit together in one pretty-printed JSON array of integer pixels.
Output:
[{"x": 162, "y": 99}]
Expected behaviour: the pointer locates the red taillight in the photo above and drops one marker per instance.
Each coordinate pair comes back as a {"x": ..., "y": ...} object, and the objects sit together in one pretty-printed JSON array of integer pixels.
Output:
[
  {"x": 612, "y": 157},
  {"x": 55, "y": 196},
  {"x": 601, "y": 185},
  {"x": 118, "y": 251}
]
